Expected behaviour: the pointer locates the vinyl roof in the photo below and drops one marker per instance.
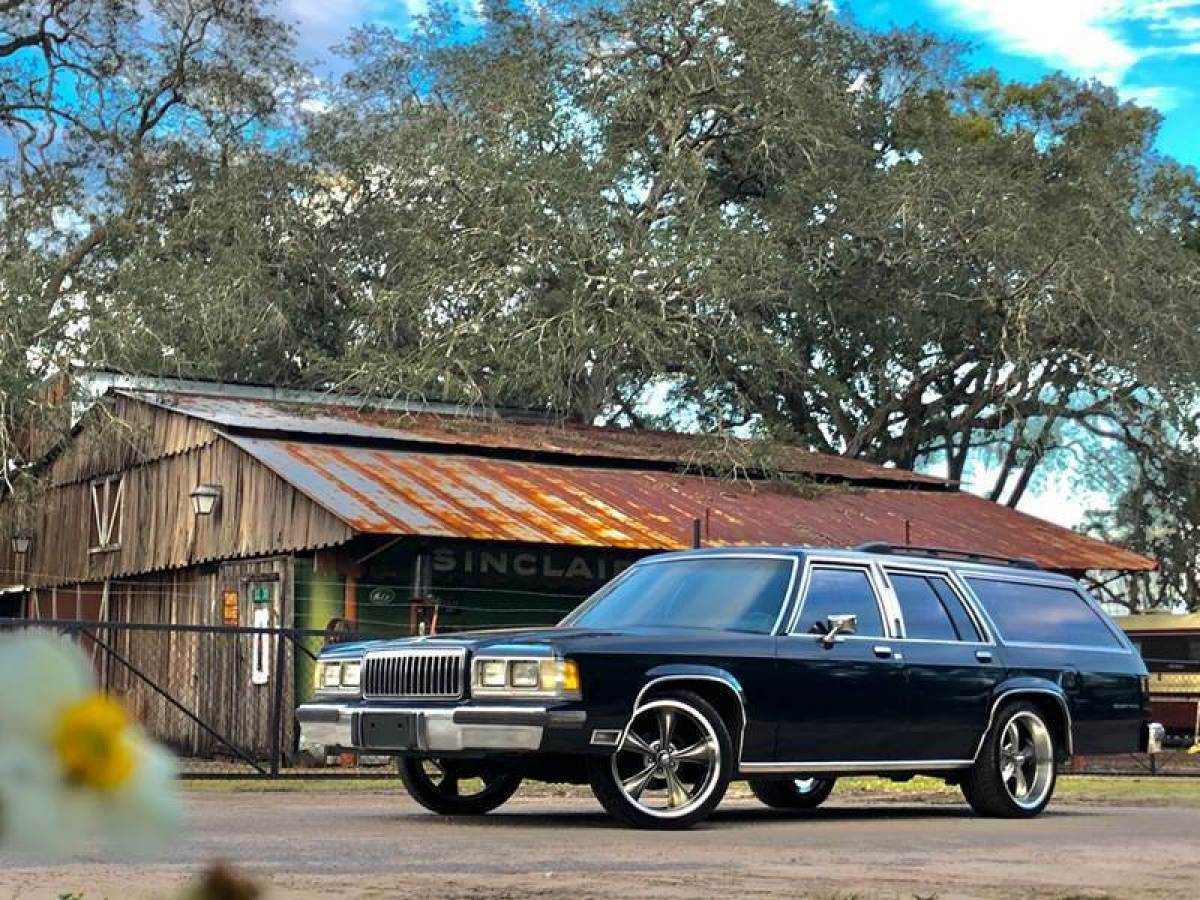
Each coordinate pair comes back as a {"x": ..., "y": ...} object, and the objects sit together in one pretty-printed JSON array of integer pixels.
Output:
[{"x": 381, "y": 490}]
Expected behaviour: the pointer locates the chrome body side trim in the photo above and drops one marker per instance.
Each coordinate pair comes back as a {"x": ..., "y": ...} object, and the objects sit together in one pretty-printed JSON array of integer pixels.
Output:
[{"x": 887, "y": 765}]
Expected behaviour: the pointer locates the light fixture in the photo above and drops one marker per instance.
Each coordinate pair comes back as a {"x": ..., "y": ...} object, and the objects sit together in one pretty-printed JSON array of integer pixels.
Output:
[
  {"x": 20, "y": 542},
  {"x": 205, "y": 499}
]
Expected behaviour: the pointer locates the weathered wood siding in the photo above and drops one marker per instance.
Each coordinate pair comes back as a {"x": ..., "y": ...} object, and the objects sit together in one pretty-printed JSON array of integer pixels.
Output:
[
  {"x": 121, "y": 432},
  {"x": 260, "y": 514},
  {"x": 207, "y": 673}
]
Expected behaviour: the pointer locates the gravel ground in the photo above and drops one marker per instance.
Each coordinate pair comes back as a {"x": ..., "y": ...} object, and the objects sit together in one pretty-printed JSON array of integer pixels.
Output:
[{"x": 378, "y": 844}]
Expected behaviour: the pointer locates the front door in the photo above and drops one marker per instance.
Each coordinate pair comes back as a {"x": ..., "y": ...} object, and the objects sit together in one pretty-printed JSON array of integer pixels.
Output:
[{"x": 840, "y": 700}]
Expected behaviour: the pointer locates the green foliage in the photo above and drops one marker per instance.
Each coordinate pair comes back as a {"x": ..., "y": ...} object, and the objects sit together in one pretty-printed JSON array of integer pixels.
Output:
[{"x": 715, "y": 215}]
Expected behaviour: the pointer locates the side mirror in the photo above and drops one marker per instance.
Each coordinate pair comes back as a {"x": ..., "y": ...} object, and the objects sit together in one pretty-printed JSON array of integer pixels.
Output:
[{"x": 835, "y": 625}]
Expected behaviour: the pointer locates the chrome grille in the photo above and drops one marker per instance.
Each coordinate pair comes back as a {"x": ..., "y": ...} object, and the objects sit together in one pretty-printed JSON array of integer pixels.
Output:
[{"x": 414, "y": 674}]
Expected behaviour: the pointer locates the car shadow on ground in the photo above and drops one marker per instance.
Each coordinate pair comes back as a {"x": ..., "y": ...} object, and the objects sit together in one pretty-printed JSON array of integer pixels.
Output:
[{"x": 587, "y": 817}]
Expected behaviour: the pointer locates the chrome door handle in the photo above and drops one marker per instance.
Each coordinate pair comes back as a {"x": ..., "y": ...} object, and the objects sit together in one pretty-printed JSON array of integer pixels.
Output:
[
  {"x": 984, "y": 656},
  {"x": 883, "y": 652}
]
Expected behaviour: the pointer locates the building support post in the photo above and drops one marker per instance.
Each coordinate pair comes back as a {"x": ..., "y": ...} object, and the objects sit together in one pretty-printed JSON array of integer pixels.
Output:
[{"x": 277, "y": 701}]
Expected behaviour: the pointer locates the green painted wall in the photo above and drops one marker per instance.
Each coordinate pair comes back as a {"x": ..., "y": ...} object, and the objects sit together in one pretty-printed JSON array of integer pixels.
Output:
[{"x": 318, "y": 599}]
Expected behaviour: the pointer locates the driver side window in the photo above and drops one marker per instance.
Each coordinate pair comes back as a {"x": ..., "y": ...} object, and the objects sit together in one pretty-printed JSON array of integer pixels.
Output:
[{"x": 840, "y": 590}]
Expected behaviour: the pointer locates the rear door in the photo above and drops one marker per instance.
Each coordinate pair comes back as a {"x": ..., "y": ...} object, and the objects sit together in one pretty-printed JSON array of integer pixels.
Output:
[
  {"x": 953, "y": 666},
  {"x": 844, "y": 702}
]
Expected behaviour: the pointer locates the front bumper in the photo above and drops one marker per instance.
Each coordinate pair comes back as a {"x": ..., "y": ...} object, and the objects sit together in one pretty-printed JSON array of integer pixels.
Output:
[{"x": 435, "y": 729}]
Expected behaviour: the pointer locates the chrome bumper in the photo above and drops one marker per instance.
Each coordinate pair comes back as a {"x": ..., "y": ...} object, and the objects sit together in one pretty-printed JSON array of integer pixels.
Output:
[
  {"x": 1155, "y": 735},
  {"x": 436, "y": 730}
]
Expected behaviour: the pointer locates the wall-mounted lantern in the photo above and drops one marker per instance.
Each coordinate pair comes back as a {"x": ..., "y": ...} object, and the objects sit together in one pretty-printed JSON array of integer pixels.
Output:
[
  {"x": 205, "y": 499},
  {"x": 21, "y": 542}
]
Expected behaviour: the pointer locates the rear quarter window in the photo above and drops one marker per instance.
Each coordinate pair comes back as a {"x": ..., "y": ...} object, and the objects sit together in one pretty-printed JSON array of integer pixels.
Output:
[{"x": 1042, "y": 614}]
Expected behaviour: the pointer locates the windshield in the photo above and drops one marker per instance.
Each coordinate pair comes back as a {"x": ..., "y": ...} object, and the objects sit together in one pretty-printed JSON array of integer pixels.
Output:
[{"x": 724, "y": 593}]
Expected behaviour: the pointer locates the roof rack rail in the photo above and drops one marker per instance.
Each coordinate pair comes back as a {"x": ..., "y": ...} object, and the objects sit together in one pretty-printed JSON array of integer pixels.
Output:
[{"x": 1016, "y": 562}]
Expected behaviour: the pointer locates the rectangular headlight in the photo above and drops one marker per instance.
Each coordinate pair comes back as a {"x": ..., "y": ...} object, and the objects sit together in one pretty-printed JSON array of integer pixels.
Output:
[
  {"x": 525, "y": 677},
  {"x": 332, "y": 676},
  {"x": 525, "y": 674},
  {"x": 492, "y": 673},
  {"x": 338, "y": 677}
]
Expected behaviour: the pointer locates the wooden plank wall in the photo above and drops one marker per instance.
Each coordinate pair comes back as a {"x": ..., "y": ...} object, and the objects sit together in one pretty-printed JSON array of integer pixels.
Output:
[
  {"x": 207, "y": 672},
  {"x": 260, "y": 514},
  {"x": 119, "y": 432}
]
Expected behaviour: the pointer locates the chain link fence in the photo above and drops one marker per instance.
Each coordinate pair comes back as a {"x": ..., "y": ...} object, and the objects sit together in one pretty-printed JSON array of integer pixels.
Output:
[{"x": 221, "y": 697}]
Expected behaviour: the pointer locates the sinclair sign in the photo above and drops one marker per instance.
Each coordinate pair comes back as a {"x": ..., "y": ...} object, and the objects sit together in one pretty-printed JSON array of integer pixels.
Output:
[{"x": 469, "y": 564}]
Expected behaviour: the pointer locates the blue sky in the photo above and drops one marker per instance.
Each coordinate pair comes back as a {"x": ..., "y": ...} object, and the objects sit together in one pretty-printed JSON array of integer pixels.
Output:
[{"x": 1148, "y": 49}]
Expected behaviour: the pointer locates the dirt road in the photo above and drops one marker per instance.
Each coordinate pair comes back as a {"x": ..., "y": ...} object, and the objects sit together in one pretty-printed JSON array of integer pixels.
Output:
[{"x": 377, "y": 844}]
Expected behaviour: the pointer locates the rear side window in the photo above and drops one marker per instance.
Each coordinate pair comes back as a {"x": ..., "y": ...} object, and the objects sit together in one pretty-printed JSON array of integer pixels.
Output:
[
  {"x": 931, "y": 609},
  {"x": 1042, "y": 614},
  {"x": 835, "y": 591}
]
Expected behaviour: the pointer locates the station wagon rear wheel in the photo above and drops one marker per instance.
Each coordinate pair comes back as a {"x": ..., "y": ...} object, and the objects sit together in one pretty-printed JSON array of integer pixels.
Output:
[
  {"x": 1015, "y": 773},
  {"x": 456, "y": 788},
  {"x": 672, "y": 766},
  {"x": 792, "y": 793}
]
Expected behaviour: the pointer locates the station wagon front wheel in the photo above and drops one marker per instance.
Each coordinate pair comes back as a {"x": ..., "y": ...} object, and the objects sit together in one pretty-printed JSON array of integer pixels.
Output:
[
  {"x": 672, "y": 766},
  {"x": 1015, "y": 773},
  {"x": 451, "y": 787}
]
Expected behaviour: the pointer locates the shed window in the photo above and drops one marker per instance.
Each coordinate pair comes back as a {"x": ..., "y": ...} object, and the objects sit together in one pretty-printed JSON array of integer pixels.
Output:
[{"x": 107, "y": 496}]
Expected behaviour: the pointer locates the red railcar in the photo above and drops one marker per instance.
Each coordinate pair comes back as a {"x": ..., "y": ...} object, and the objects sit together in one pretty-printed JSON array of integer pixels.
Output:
[{"x": 1170, "y": 645}]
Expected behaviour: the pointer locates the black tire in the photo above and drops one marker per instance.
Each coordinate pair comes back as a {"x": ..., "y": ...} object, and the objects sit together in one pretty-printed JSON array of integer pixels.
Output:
[
  {"x": 435, "y": 784},
  {"x": 1014, "y": 781},
  {"x": 792, "y": 793},
  {"x": 693, "y": 769}
]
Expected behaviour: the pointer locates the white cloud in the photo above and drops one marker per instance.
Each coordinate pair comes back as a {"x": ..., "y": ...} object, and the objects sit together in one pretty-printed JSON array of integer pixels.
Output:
[{"x": 1088, "y": 38}]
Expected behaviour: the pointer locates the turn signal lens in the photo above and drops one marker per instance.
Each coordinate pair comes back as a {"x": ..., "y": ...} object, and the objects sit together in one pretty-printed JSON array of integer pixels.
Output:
[
  {"x": 570, "y": 677},
  {"x": 560, "y": 676}
]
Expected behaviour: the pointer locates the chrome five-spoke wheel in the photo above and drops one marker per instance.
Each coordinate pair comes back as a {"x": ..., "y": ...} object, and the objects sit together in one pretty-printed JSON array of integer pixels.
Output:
[
  {"x": 1015, "y": 769},
  {"x": 1026, "y": 760},
  {"x": 669, "y": 759},
  {"x": 671, "y": 767}
]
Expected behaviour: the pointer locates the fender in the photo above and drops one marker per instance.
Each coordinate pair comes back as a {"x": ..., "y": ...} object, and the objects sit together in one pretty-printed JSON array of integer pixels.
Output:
[
  {"x": 1028, "y": 685},
  {"x": 690, "y": 672},
  {"x": 686, "y": 671}
]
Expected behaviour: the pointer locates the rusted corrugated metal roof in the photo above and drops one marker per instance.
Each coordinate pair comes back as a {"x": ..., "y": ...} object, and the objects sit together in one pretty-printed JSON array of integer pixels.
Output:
[
  {"x": 492, "y": 433},
  {"x": 383, "y": 491}
]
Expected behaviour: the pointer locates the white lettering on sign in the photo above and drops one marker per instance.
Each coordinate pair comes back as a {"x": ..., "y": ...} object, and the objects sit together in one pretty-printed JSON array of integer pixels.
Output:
[{"x": 524, "y": 564}]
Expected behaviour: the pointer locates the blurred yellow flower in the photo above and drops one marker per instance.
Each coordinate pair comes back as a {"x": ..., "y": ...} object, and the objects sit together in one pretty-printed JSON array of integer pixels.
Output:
[{"x": 92, "y": 741}]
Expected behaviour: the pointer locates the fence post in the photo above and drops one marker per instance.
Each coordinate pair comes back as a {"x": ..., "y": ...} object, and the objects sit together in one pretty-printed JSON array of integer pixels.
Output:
[{"x": 277, "y": 702}]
